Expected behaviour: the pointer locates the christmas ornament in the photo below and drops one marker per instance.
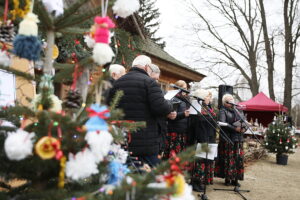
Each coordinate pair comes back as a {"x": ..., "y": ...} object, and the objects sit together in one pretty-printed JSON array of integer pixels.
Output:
[
  {"x": 97, "y": 115},
  {"x": 81, "y": 165},
  {"x": 55, "y": 103},
  {"x": 90, "y": 42},
  {"x": 55, "y": 52},
  {"x": 55, "y": 7},
  {"x": 7, "y": 32},
  {"x": 267, "y": 144},
  {"x": 4, "y": 58},
  {"x": 102, "y": 52},
  {"x": 48, "y": 147},
  {"x": 119, "y": 154},
  {"x": 124, "y": 8},
  {"x": 116, "y": 172},
  {"x": 286, "y": 147},
  {"x": 19, "y": 12},
  {"x": 280, "y": 141},
  {"x": 73, "y": 99},
  {"x": 18, "y": 145},
  {"x": 61, "y": 176},
  {"x": 99, "y": 142},
  {"x": 26, "y": 44}
]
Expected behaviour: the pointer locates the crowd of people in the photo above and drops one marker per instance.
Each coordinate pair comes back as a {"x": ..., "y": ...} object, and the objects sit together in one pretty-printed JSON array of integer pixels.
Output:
[{"x": 171, "y": 127}]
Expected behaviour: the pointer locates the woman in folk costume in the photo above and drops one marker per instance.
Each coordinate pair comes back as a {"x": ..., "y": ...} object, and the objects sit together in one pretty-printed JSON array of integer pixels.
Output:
[
  {"x": 202, "y": 128},
  {"x": 230, "y": 162},
  {"x": 177, "y": 128}
]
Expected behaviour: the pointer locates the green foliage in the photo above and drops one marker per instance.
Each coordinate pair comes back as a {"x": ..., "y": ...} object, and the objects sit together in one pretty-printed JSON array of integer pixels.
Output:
[
  {"x": 279, "y": 137},
  {"x": 149, "y": 15},
  {"x": 125, "y": 47}
]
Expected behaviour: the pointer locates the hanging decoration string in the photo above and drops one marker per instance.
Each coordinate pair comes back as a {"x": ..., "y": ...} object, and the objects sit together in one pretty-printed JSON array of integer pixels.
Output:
[
  {"x": 31, "y": 6},
  {"x": 104, "y": 6},
  {"x": 5, "y": 11}
]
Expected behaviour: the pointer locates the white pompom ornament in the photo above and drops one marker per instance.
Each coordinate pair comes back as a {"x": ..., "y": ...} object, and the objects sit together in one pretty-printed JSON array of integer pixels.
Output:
[
  {"x": 29, "y": 25},
  {"x": 102, "y": 53},
  {"x": 81, "y": 166},
  {"x": 124, "y": 8},
  {"x": 18, "y": 145},
  {"x": 100, "y": 143},
  {"x": 56, "y": 6}
]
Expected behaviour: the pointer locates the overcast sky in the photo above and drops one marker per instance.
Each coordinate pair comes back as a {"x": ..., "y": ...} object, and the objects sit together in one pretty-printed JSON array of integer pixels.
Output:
[{"x": 176, "y": 29}]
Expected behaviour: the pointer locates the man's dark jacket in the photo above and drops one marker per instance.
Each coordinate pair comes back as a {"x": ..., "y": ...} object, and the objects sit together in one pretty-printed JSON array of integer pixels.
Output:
[{"x": 142, "y": 101}]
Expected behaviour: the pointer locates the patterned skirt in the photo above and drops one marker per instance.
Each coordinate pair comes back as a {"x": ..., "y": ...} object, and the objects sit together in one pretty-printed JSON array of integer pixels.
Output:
[
  {"x": 200, "y": 168},
  {"x": 230, "y": 162},
  {"x": 175, "y": 143}
]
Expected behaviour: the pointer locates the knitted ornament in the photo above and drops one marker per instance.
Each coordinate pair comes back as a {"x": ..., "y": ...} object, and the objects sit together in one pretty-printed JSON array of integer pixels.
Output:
[
  {"x": 98, "y": 114},
  {"x": 18, "y": 145},
  {"x": 26, "y": 43},
  {"x": 102, "y": 52},
  {"x": 99, "y": 142},
  {"x": 54, "y": 6},
  {"x": 82, "y": 165},
  {"x": 124, "y": 8},
  {"x": 7, "y": 32},
  {"x": 73, "y": 99}
]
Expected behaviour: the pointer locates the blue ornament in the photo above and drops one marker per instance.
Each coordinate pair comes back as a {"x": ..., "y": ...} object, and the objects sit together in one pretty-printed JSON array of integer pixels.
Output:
[
  {"x": 28, "y": 47},
  {"x": 116, "y": 172},
  {"x": 97, "y": 115}
]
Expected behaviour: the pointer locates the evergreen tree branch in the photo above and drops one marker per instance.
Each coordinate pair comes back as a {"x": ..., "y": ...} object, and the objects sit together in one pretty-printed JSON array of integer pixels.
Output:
[{"x": 19, "y": 73}]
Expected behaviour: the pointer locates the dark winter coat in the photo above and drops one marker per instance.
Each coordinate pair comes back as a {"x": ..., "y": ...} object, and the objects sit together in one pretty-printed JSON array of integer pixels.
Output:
[
  {"x": 179, "y": 124},
  {"x": 143, "y": 100},
  {"x": 202, "y": 128},
  {"x": 229, "y": 116}
]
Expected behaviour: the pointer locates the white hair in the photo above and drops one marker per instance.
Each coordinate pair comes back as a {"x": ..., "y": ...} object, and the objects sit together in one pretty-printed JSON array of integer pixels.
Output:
[
  {"x": 201, "y": 93},
  {"x": 225, "y": 97},
  {"x": 141, "y": 61},
  {"x": 154, "y": 68},
  {"x": 115, "y": 68}
]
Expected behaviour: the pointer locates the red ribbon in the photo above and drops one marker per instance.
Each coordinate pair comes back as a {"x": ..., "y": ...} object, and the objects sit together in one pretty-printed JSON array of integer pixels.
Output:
[
  {"x": 76, "y": 73},
  {"x": 93, "y": 113}
]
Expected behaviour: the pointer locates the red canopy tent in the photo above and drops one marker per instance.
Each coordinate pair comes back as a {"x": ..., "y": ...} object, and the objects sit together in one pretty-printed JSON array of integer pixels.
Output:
[{"x": 262, "y": 108}]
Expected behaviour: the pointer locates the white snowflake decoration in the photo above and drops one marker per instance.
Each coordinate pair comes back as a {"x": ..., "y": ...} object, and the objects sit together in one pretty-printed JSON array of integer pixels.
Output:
[
  {"x": 81, "y": 166},
  {"x": 99, "y": 142},
  {"x": 18, "y": 145},
  {"x": 120, "y": 154}
]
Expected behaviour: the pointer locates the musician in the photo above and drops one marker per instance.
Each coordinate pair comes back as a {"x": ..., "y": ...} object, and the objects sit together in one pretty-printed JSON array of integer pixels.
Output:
[
  {"x": 230, "y": 162},
  {"x": 202, "y": 129},
  {"x": 177, "y": 128}
]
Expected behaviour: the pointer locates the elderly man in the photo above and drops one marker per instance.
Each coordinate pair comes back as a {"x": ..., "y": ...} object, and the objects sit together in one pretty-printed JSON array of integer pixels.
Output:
[
  {"x": 155, "y": 72},
  {"x": 143, "y": 101},
  {"x": 115, "y": 71}
]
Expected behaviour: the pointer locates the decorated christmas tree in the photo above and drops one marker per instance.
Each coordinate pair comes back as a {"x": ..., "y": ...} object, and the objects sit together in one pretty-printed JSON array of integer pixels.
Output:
[
  {"x": 280, "y": 139},
  {"x": 71, "y": 148}
]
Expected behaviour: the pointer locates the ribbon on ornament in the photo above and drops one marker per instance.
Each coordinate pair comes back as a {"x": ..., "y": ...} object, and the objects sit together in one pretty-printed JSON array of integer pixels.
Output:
[{"x": 97, "y": 115}]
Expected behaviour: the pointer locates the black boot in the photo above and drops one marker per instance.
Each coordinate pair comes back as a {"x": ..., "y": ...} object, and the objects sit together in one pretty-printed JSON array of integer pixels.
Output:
[
  {"x": 197, "y": 187},
  {"x": 235, "y": 183},
  {"x": 227, "y": 182}
]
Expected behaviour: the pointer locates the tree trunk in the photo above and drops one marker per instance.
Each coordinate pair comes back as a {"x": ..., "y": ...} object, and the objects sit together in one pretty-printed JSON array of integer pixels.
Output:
[
  {"x": 289, "y": 56},
  {"x": 269, "y": 54},
  {"x": 48, "y": 68},
  {"x": 254, "y": 85}
]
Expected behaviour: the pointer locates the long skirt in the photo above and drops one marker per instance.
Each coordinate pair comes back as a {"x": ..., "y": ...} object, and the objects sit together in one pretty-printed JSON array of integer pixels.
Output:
[
  {"x": 175, "y": 143},
  {"x": 230, "y": 162},
  {"x": 203, "y": 171}
]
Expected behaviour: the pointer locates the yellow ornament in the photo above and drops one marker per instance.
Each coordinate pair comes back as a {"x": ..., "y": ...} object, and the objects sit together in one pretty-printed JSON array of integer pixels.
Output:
[
  {"x": 19, "y": 12},
  {"x": 45, "y": 147},
  {"x": 55, "y": 52},
  {"x": 61, "y": 176},
  {"x": 179, "y": 184}
]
